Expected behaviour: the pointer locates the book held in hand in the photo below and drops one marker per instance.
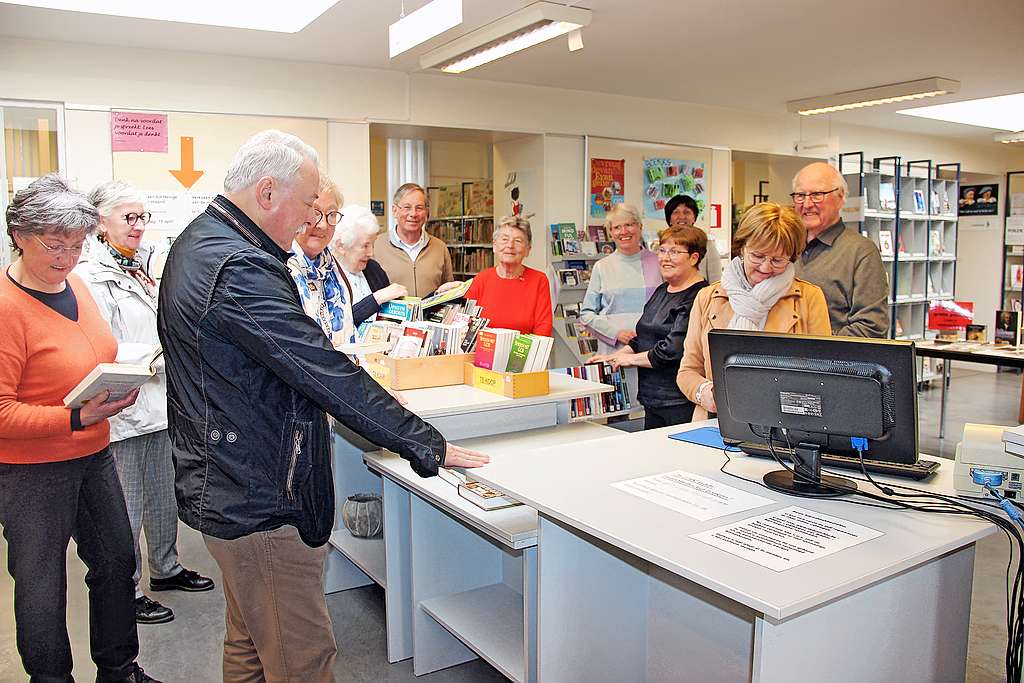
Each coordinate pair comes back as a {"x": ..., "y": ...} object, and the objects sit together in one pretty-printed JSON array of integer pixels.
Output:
[{"x": 120, "y": 379}]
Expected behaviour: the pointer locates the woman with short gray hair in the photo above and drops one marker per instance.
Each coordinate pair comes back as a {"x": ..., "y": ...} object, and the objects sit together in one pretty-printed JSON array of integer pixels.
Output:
[
  {"x": 57, "y": 476},
  {"x": 353, "y": 245},
  {"x": 115, "y": 268}
]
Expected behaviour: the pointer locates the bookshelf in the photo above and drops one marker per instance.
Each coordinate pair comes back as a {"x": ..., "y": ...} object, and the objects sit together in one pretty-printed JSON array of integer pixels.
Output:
[
  {"x": 910, "y": 212},
  {"x": 464, "y": 220},
  {"x": 569, "y": 295},
  {"x": 1013, "y": 245}
]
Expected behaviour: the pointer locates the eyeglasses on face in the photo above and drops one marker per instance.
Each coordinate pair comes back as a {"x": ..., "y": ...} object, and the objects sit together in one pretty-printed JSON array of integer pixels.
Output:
[
  {"x": 672, "y": 253},
  {"x": 756, "y": 259},
  {"x": 60, "y": 250},
  {"x": 623, "y": 226},
  {"x": 816, "y": 197},
  {"x": 412, "y": 208},
  {"x": 332, "y": 217},
  {"x": 502, "y": 240},
  {"x": 133, "y": 218}
]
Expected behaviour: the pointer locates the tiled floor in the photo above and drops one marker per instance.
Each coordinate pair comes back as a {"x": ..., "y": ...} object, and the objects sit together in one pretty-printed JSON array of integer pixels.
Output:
[{"x": 188, "y": 649}]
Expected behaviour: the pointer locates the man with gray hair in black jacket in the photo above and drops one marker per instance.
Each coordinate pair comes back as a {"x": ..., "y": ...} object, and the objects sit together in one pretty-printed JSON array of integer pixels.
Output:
[{"x": 250, "y": 377}]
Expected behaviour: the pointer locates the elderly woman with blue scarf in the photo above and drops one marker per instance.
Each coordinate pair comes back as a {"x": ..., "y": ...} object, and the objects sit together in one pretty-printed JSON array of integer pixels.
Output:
[{"x": 325, "y": 293}]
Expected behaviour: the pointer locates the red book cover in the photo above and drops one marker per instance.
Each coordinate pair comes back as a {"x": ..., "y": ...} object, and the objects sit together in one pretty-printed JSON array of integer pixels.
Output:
[{"x": 485, "y": 343}]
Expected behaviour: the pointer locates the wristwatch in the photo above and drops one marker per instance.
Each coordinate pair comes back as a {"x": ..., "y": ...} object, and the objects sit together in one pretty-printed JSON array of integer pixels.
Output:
[{"x": 700, "y": 391}]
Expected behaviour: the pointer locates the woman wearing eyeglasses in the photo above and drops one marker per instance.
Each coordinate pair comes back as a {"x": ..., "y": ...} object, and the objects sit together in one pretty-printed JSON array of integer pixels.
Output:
[
  {"x": 658, "y": 346},
  {"x": 57, "y": 475},
  {"x": 758, "y": 291},
  {"x": 325, "y": 293},
  {"x": 115, "y": 267},
  {"x": 682, "y": 211},
  {"x": 511, "y": 295}
]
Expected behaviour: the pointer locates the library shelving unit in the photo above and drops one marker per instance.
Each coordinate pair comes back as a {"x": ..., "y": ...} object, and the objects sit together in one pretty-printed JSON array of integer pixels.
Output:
[
  {"x": 910, "y": 212},
  {"x": 463, "y": 226},
  {"x": 1013, "y": 248}
]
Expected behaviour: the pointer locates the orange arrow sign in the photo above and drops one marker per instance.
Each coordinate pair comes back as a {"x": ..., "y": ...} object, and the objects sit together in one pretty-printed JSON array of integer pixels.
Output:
[{"x": 187, "y": 175}]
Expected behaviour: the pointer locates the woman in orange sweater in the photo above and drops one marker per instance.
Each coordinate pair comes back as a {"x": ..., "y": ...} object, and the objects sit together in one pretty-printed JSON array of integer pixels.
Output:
[
  {"x": 57, "y": 478},
  {"x": 511, "y": 295}
]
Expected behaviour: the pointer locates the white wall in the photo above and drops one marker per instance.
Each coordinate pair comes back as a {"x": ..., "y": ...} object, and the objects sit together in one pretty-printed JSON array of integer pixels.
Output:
[
  {"x": 979, "y": 266},
  {"x": 348, "y": 160}
]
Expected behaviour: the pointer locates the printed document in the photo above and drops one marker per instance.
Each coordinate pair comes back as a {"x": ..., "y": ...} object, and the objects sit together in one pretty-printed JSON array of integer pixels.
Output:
[
  {"x": 787, "y": 538},
  {"x": 691, "y": 494}
]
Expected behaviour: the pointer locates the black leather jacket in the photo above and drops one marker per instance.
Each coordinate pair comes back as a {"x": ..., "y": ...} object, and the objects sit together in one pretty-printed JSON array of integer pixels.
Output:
[{"x": 249, "y": 379}]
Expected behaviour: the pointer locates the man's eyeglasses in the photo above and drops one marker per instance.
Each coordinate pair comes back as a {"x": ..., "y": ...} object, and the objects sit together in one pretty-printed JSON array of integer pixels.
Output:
[
  {"x": 756, "y": 259},
  {"x": 60, "y": 250},
  {"x": 332, "y": 217},
  {"x": 816, "y": 197},
  {"x": 411, "y": 208},
  {"x": 672, "y": 253},
  {"x": 133, "y": 218}
]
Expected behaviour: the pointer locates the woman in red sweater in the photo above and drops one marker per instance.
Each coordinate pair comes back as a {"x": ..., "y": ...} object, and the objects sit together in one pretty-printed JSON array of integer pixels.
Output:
[
  {"x": 57, "y": 478},
  {"x": 511, "y": 295}
]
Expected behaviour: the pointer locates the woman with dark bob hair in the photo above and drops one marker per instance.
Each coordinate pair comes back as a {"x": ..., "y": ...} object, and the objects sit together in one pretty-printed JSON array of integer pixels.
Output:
[
  {"x": 681, "y": 212},
  {"x": 57, "y": 477}
]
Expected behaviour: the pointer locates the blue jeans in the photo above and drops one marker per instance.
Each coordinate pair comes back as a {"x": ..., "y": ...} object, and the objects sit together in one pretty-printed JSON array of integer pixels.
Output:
[{"x": 43, "y": 506}]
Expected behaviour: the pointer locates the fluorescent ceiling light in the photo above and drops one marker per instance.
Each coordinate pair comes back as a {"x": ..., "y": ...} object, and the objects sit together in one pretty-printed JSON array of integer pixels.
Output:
[
  {"x": 1005, "y": 112},
  {"x": 1007, "y": 138},
  {"x": 524, "y": 28},
  {"x": 870, "y": 97},
  {"x": 260, "y": 15},
  {"x": 428, "y": 21}
]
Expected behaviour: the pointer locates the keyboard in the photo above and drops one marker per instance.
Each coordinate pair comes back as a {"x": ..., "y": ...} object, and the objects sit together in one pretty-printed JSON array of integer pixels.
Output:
[{"x": 922, "y": 469}]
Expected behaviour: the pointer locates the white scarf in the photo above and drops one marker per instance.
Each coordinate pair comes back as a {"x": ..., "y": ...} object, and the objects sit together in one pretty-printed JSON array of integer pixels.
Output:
[{"x": 751, "y": 303}]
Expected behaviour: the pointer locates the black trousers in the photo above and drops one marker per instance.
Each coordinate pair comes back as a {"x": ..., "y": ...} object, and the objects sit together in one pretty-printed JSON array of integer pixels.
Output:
[
  {"x": 664, "y": 416},
  {"x": 43, "y": 506}
]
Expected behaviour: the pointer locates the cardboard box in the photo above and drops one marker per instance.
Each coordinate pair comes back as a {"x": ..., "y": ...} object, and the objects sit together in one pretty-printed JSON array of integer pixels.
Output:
[
  {"x": 508, "y": 384},
  {"x": 417, "y": 373}
]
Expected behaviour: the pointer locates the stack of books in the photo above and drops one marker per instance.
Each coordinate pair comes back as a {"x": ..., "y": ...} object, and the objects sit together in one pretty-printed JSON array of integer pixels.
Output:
[
  {"x": 504, "y": 350},
  {"x": 450, "y": 326},
  {"x": 616, "y": 401}
]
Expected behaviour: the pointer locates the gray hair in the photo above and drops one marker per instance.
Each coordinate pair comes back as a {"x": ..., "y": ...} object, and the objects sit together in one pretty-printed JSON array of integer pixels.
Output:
[
  {"x": 622, "y": 211},
  {"x": 268, "y": 153},
  {"x": 109, "y": 195},
  {"x": 50, "y": 204},
  {"x": 406, "y": 189},
  {"x": 518, "y": 223},
  {"x": 356, "y": 222},
  {"x": 840, "y": 180}
]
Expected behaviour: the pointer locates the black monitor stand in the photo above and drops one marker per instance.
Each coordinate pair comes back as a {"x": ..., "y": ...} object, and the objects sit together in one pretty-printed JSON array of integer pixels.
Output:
[{"x": 806, "y": 478}]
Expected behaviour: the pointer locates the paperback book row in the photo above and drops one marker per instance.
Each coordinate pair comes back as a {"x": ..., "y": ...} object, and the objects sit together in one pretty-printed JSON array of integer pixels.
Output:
[
  {"x": 574, "y": 329},
  {"x": 505, "y": 350},
  {"x": 479, "y": 231},
  {"x": 616, "y": 401},
  {"x": 567, "y": 241},
  {"x": 449, "y": 329},
  {"x": 472, "y": 260}
]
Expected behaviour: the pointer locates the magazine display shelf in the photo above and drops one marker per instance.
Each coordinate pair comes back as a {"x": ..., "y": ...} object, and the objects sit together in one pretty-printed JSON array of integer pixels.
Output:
[
  {"x": 427, "y": 525},
  {"x": 910, "y": 212},
  {"x": 1012, "y": 285}
]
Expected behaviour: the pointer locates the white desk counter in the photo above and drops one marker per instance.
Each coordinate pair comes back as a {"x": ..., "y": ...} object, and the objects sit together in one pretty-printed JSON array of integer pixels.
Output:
[{"x": 657, "y": 602}]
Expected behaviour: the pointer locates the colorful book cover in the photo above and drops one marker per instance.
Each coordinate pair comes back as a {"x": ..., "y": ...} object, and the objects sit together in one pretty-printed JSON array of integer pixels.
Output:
[
  {"x": 519, "y": 354},
  {"x": 567, "y": 231},
  {"x": 607, "y": 182},
  {"x": 485, "y": 345}
]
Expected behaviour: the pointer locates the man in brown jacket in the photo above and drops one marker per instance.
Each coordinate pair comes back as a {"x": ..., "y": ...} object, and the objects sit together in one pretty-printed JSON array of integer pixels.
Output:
[{"x": 408, "y": 254}]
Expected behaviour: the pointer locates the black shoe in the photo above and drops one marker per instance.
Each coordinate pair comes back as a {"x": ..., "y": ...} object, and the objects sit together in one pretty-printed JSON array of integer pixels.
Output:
[
  {"x": 185, "y": 580},
  {"x": 136, "y": 676},
  {"x": 148, "y": 611}
]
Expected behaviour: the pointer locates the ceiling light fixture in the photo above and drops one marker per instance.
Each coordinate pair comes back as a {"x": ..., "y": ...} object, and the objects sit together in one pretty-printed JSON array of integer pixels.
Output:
[
  {"x": 524, "y": 28},
  {"x": 428, "y": 21},
  {"x": 1007, "y": 138},
  {"x": 870, "y": 97},
  {"x": 282, "y": 17},
  {"x": 1003, "y": 112}
]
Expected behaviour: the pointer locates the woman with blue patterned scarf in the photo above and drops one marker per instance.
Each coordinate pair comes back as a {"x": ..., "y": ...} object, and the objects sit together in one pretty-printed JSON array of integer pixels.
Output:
[{"x": 325, "y": 293}]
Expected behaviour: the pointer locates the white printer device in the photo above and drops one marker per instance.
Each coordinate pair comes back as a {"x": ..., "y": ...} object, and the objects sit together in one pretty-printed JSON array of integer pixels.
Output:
[{"x": 990, "y": 455}]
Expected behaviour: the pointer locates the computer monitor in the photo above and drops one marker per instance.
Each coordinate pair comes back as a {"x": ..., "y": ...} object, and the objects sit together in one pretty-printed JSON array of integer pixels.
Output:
[{"x": 812, "y": 395}]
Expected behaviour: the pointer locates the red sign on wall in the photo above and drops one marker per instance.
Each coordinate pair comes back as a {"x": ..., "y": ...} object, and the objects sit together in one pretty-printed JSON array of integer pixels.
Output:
[{"x": 950, "y": 315}]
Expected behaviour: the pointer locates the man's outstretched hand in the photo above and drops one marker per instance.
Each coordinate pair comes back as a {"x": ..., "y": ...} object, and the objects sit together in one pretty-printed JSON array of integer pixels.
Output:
[{"x": 457, "y": 456}]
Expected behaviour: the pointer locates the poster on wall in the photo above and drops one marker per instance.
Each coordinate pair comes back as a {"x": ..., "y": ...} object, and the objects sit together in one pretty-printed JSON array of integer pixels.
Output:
[
  {"x": 138, "y": 132},
  {"x": 607, "y": 182},
  {"x": 665, "y": 178},
  {"x": 519, "y": 194},
  {"x": 173, "y": 211},
  {"x": 978, "y": 200}
]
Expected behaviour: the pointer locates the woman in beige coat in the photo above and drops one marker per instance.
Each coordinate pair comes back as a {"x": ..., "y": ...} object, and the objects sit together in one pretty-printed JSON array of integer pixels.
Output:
[{"x": 758, "y": 291}]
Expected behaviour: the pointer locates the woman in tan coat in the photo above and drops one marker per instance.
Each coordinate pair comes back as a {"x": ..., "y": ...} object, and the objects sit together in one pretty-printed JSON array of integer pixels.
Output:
[{"x": 758, "y": 291}]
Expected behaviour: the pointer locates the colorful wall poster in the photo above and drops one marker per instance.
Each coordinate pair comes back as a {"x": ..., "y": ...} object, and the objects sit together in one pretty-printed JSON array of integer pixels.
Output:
[
  {"x": 665, "y": 178},
  {"x": 138, "y": 132},
  {"x": 979, "y": 200},
  {"x": 607, "y": 183}
]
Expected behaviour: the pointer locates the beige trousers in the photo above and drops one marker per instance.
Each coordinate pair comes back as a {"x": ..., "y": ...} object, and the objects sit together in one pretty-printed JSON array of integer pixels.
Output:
[{"x": 278, "y": 629}]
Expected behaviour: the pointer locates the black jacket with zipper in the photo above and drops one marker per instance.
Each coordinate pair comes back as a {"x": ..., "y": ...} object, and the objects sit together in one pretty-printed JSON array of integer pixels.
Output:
[{"x": 249, "y": 380}]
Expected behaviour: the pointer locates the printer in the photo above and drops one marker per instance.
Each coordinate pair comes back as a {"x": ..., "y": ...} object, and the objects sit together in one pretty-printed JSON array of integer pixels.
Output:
[{"x": 993, "y": 455}]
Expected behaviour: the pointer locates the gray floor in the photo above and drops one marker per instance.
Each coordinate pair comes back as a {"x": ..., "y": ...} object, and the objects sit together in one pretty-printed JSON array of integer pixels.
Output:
[{"x": 188, "y": 649}]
